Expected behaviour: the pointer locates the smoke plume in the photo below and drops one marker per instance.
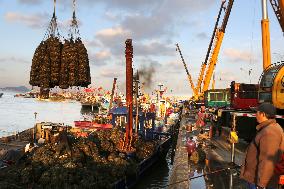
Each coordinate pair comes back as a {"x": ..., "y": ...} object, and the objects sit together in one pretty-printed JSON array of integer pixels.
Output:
[{"x": 146, "y": 74}]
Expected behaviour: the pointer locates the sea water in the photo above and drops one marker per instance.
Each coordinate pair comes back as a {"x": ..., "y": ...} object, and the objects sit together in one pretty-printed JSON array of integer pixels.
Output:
[{"x": 18, "y": 114}]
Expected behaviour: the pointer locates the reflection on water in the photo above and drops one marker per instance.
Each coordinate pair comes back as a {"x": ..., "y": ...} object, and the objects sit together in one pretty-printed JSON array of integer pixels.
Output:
[
  {"x": 158, "y": 176},
  {"x": 17, "y": 114},
  {"x": 195, "y": 171},
  {"x": 215, "y": 175}
]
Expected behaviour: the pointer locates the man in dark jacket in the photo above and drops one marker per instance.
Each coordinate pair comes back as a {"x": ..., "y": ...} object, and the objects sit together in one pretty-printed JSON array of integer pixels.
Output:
[{"x": 264, "y": 151}]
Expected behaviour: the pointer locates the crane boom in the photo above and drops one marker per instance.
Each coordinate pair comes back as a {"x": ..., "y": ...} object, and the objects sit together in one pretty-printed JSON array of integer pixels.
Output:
[
  {"x": 266, "y": 54},
  {"x": 219, "y": 38},
  {"x": 279, "y": 11},
  {"x": 112, "y": 94},
  {"x": 195, "y": 92},
  {"x": 204, "y": 64}
]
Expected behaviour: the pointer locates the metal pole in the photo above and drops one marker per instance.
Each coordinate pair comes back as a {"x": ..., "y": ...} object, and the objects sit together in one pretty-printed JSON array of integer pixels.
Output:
[
  {"x": 137, "y": 104},
  {"x": 233, "y": 153},
  {"x": 231, "y": 179},
  {"x": 35, "y": 130},
  {"x": 233, "y": 144},
  {"x": 264, "y": 9},
  {"x": 129, "y": 88}
]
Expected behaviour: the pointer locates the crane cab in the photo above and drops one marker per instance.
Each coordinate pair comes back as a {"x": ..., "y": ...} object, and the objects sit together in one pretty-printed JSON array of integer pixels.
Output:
[{"x": 271, "y": 85}]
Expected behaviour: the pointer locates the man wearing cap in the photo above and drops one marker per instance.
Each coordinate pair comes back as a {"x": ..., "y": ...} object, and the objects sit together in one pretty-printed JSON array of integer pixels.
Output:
[{"x": 264, "y": 151}]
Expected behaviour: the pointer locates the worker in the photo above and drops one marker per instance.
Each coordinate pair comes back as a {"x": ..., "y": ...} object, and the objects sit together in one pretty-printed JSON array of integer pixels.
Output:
[
  {"x": 162, "y": 109},
  {"x": 217, "y": 128},
  {"x": 200, "y": 122},
  {"x": 264, "y": 151},
  {"x": 190, "y": 146}
]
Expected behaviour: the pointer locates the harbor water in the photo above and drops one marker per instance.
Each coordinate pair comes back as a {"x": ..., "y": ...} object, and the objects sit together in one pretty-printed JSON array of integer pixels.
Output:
[{"x": 18, "y": 114}]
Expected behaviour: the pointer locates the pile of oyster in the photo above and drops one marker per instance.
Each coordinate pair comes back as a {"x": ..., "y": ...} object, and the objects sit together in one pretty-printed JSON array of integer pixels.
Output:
[{"x": 93, "y": 162}]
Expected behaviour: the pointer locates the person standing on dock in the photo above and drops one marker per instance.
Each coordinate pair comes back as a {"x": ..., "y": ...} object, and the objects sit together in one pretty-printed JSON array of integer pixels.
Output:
[
  {"x": 264, "y": 151},
  {"x": 190, "y": 146},
  {"x": 200, "y": 122}
]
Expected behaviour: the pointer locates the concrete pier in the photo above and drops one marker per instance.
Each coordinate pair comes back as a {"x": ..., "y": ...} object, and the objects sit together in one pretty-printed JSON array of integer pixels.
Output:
[
  {"x": 180, "y": 166},
  {"x": 218, "y": 158}
]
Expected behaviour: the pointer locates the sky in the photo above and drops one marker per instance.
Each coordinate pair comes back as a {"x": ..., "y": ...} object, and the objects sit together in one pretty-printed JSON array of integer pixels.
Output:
[{"x": 154, "y": 26}]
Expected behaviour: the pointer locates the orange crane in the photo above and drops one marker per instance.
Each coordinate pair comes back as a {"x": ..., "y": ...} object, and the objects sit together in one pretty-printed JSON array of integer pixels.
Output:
[
  {"x": 219, "y": 38},
  {"x": 195, "y": 92}
]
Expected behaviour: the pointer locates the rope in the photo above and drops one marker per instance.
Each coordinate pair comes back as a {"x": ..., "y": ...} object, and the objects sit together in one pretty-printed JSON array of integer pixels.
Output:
[
  {"x": 74, "y": 29},
  {"x": 252, "y": 33},
  {"x": 54, "y": 7},
  {"x": 210, "y": 173},
  {"x": 74, "y": 6}
]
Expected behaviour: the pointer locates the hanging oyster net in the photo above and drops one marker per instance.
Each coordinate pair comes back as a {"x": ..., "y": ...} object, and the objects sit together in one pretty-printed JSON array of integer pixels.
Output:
[
  {"x": 46, "y": 62},
  {"x": 76, "y": 56}
]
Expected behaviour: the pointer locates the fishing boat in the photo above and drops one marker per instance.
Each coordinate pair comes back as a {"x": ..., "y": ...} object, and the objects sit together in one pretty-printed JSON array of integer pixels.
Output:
[
  {"x": 146, "y": 128},
  {"x": 160, "y": 153}
]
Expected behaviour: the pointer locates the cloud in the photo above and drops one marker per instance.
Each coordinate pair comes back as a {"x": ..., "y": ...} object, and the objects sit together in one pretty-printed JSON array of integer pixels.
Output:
[
  {"x": 113, "y": 39},
  {"x": 30, "y": 2},
  {"x": 152, "y": 32},
  {"x": 111, "y": 72},
  {"x": 92, "y": 43},
  {"x": 236, "y": 55},
  {"x": 110, "y": 4},
  {"x": 37, "y": 20},
  {"x": 161, "y": 21},
  {"x": 112, "y": 32},
  {"x": 174, "y": 65},
  {"x": 14, "y": 59},
  {"x": 34, "y": 20},
  {"x": 154, "y": 49},
  {"x": 202, "y": 35},
  {"x": 147, "y": 27},
  {"x": 103, "y": 55},
  {"x": 100, "y": 58},
  {"x": 225, "y": 76}
]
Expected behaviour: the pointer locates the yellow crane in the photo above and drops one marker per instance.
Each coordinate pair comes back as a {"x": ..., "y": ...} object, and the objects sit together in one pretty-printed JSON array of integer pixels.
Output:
[
  {"x": 278, "y": 8},
  {"x": 218, "y": 38},
  {"x": 195, "y": 92},
  {"x": 204, "y": 64},
  {"x": 272, "y": 78}
]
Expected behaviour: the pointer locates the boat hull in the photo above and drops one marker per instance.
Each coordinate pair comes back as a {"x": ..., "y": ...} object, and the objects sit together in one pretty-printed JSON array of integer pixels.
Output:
[{"x": 161, "y": 152}]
